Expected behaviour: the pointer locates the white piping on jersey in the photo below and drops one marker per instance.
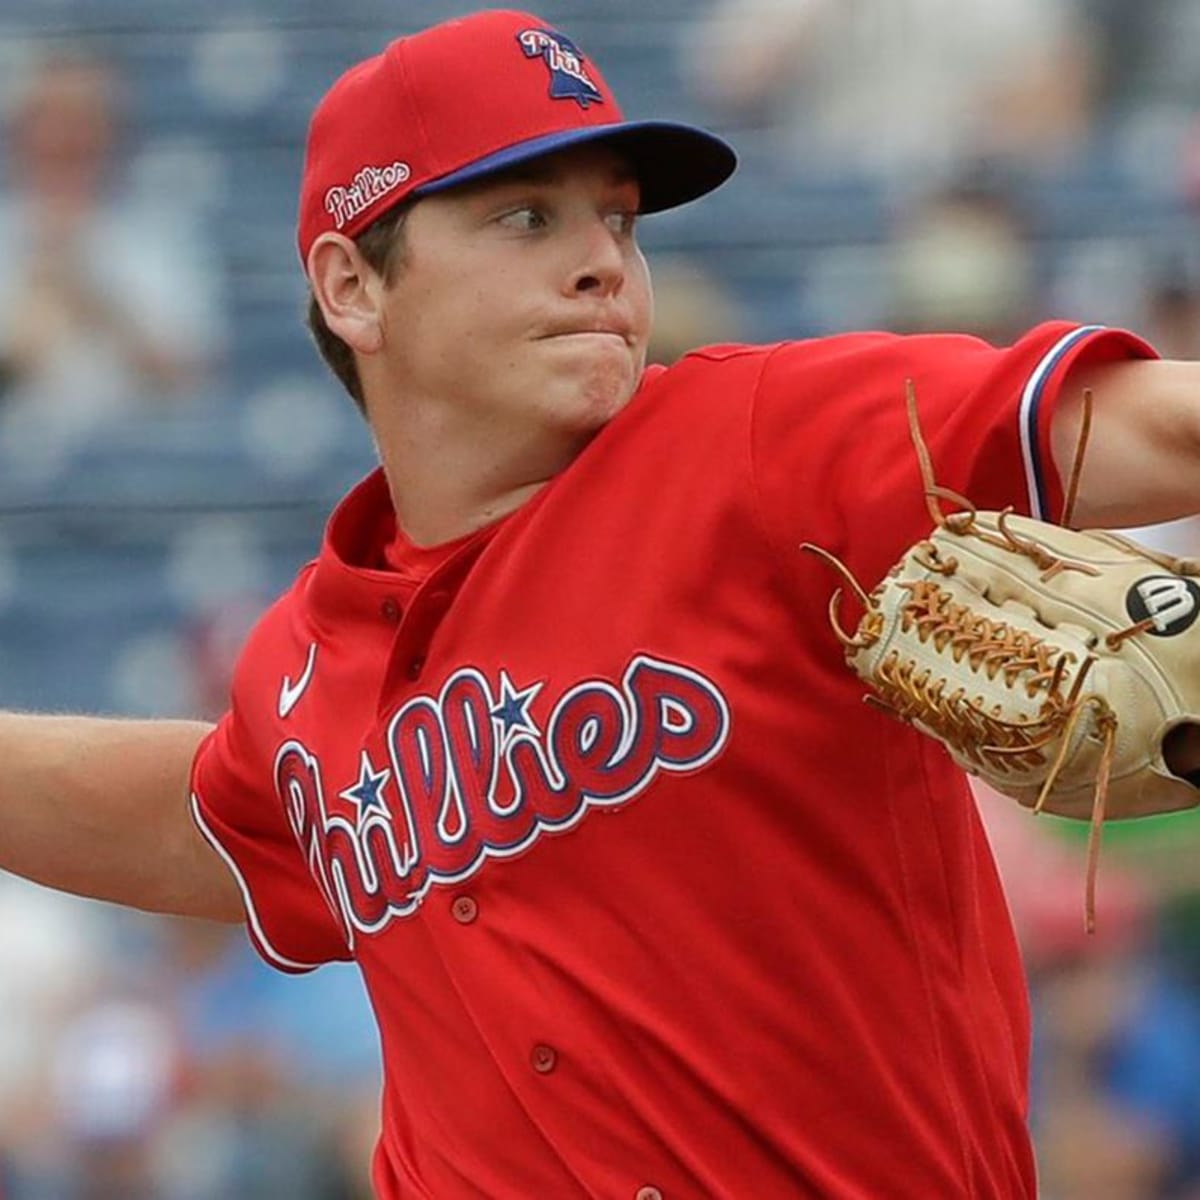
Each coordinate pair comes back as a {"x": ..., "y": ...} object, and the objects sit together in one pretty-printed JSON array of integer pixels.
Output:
[
  {"x": 256, "y": 928},
  {"x": 1031, "y": 401}
]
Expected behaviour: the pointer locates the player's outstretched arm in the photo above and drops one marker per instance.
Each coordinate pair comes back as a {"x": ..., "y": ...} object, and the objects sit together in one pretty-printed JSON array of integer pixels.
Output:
[
  {"x": 1142, "y": 459},
  {"x": 100, "y": 807}
]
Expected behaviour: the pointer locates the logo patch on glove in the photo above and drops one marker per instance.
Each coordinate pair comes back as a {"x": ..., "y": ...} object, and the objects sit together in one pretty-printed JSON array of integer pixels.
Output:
[{"x": 1169, "y": 602}]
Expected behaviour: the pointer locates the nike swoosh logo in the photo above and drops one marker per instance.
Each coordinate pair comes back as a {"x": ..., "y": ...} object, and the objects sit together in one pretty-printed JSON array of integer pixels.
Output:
[{"x": 289, "y": 692}]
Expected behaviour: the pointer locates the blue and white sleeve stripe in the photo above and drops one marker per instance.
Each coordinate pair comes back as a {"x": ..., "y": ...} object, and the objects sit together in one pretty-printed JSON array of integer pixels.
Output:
[{"x": 1031, "y": 403}]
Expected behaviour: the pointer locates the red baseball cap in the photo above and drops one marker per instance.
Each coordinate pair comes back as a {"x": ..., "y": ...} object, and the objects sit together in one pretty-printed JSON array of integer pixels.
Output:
[{"x": 472, "y": 96}]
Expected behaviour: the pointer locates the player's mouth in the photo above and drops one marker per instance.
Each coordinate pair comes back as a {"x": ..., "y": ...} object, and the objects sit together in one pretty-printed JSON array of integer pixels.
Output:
[{"x": 604, "y": 328}]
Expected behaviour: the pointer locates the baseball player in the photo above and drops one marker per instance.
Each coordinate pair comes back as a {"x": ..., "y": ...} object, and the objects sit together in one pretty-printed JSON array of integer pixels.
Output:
[{"x": 552, "y": 738}]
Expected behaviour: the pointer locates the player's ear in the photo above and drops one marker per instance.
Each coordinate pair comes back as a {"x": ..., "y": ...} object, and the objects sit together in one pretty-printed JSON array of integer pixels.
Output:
[{"x": 349, "y": 291}]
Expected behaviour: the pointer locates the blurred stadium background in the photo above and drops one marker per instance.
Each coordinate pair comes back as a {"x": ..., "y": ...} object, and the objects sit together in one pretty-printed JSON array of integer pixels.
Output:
[{"x": 146, "y": 1058}]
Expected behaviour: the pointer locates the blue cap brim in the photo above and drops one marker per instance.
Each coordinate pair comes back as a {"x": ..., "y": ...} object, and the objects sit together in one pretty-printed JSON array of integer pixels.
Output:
[{"x": 674, "y": 163}]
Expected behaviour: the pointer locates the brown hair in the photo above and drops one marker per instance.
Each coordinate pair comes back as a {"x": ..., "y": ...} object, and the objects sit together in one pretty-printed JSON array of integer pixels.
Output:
[{"x": 382, "y": 245}]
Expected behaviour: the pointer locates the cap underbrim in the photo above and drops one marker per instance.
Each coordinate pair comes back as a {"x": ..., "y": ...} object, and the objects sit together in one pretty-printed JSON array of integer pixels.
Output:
[{"x": 674, "y": 163}]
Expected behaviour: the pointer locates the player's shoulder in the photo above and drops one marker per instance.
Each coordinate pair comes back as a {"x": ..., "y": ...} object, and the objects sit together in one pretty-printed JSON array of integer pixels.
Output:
[
  {"x": 717, "y": 361},
  {"x": 810, "y": 347},
  {"x": 708, "y": 387},
  {"x": 726, "y": 352},
  {"x": 735, "y": 369},
  {"x": 719, "y": 365},
  {"x": 795, "y": 352},
  {"x": 837, "y": 370},
  {"x": 923, "y": 352},
  {"x": 282, "y": 628},
  {"x": 333, "y": 591}
]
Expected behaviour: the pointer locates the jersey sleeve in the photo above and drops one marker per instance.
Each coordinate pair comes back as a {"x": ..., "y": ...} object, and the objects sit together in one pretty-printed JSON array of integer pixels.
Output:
[
  {"x": 234, "y": 804},
  {"x": 833, "y": 457}
]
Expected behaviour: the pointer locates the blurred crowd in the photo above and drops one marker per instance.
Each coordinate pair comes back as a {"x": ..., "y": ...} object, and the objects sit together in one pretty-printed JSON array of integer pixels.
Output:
[
  {"x": 909, "y": 164},
  {"x": 108, "y": 304}
]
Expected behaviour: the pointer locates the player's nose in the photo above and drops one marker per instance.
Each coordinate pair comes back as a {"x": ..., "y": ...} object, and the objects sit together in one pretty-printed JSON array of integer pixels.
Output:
[{"x": 600, "y": 264}]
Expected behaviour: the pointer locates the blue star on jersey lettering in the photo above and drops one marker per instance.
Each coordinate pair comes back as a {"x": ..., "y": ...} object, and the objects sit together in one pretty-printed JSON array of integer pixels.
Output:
[
  {"x": 367, "y": 794},
  {"x": 513, "y": 710}
]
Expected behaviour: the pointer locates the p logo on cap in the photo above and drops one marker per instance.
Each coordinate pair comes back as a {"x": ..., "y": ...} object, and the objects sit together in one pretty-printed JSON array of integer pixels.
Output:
[{"x": 569, "y": 79}]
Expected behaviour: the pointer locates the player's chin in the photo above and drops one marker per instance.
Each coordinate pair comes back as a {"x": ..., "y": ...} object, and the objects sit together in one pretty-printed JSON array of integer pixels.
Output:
[
  {"x": 594, "y": 390},
  {"x": 605, "y": 392}
]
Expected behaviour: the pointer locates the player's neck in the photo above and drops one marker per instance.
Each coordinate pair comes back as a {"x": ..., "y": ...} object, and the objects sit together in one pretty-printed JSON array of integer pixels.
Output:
[
  {"x": 432, "y": 516},
  {"x": 446, "y": 483}
]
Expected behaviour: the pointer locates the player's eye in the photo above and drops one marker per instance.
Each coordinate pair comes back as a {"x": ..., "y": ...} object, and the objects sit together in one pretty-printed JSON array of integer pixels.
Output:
[
  {"x": 622, "y": 223},
  {"x": 525, "y": 219}
]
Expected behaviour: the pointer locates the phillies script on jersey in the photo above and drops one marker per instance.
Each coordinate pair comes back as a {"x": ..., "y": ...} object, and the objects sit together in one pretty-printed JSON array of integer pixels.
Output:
[
  {"x": 647, "y": 902},
  {"x": 476, "y": 778}
]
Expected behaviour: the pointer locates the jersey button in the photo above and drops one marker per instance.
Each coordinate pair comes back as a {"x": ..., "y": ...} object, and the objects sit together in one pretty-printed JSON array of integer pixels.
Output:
[
  {"x": 415, "y": 666},
  {"x": 465, "y": 910},
  {"x": 543, "y": 1059},
  {"x": 648, "y": 1193},
  {"x": 390, "y": 610}
]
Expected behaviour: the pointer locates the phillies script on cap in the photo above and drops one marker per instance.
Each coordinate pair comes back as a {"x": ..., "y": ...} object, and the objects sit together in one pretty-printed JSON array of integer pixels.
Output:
[{"x": 470, "y": 97}]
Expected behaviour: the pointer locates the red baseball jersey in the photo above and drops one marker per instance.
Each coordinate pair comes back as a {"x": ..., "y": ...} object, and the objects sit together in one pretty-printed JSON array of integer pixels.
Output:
[{"x": 647, "y": 902}]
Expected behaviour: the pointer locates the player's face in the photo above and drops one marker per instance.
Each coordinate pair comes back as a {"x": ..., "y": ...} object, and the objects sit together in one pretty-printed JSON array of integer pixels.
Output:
[{"x": 524, "y": 298}]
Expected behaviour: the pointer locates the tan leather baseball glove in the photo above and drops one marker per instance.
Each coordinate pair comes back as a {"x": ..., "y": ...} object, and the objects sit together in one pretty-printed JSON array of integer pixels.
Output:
[{"x": 1061, "y": 667}]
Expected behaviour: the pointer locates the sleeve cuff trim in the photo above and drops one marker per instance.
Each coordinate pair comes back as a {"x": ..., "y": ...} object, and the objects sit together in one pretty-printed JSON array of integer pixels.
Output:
[
  {"x": 257, "y": 933},
  {"x": 1030, "y": 418}
]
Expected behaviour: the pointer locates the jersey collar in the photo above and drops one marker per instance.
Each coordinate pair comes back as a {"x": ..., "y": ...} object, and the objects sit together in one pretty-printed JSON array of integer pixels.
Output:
[{"x": 351, "y": 578}]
